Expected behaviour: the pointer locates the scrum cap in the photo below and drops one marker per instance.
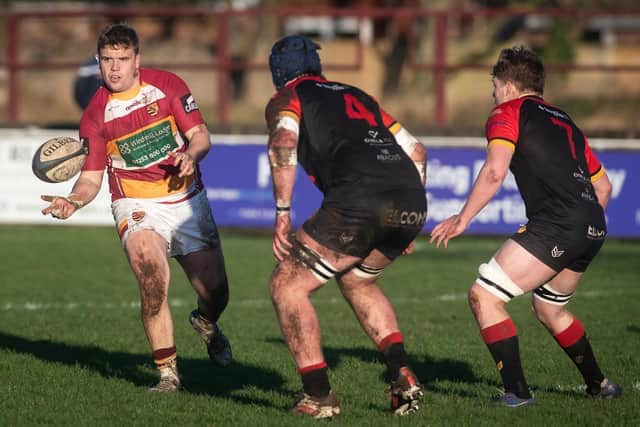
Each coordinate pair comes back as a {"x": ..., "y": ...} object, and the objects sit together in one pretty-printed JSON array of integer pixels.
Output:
[{"x": 291, "y": 57}]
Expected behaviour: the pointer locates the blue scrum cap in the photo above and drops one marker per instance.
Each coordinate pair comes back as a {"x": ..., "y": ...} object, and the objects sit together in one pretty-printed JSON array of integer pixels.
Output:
[{"x": 291, "y": 57}]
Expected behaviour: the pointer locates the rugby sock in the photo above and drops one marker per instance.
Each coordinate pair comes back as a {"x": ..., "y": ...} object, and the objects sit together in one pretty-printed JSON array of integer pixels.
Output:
[
  {"x": 315, "y": 380},
  {"x": 164, "y": 356},
  {"x": 574, "y": 342},
  {"x": 392, "y": 349},
  {"x": 502, "y": 341}
]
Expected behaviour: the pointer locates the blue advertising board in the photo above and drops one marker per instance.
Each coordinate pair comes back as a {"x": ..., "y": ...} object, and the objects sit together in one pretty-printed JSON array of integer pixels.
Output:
[{"x": 239, "y": 189}]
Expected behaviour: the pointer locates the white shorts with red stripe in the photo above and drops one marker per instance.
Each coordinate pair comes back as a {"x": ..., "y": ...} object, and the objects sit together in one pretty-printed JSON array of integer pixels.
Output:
[{"x": 185, "y": 221}]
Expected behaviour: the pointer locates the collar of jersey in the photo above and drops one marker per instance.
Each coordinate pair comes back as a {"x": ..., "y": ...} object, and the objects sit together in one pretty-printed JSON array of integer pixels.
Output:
[
  {"x": 295, "y": 81},
  {"x": 127, "y": 94}
]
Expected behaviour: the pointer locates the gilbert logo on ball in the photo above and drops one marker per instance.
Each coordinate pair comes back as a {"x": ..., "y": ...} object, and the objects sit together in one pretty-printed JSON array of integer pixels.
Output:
[{"x": 59, "y": 159}]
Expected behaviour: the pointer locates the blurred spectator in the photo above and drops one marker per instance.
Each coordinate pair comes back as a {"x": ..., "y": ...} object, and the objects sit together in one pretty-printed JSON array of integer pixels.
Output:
[{"x": 86, "y": 82}]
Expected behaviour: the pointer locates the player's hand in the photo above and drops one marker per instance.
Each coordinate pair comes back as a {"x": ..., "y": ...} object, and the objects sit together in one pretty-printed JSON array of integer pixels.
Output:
[
  {"x": 61, "y": 207},
  {"x": 447, "y": 230},
  {"x": 281, "y": 243},
  {"x": 409, "y": 249},
  {"x": 184, "y": 162}
]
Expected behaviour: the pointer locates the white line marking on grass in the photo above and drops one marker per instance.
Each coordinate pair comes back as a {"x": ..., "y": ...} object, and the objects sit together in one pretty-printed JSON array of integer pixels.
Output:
[
  {"x": 253, "y": 302},
  {"x": 581, "y": 388}
]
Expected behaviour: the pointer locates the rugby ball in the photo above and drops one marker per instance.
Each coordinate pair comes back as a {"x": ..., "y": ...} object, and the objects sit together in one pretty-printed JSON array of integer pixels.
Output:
[{"x": 59, "y": 159}]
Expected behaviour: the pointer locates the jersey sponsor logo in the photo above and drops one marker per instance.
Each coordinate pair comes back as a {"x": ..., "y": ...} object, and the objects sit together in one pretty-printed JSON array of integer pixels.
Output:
[
  {"x": 396, "y": 217},
  {"x": 375, "y": 139},
  {"x": 117, "y": 108},
  {"x": 188, "y": 103},
  {"x": 553, "y": 112},
  {"x": 133, "y": 105},
  {"x": 579, "y": 176},
  {"x": 346, "y": 238},
  {"x": 595, "y": 233},
  {"x": 386, "y": 156},
  {"x": 153, "y": 109},
  {"x": 335, "y": 87},
  {"x": 147, "y": 147},
  {"x": 556, "y": 253},
  {"x": 586, "y": 195}
]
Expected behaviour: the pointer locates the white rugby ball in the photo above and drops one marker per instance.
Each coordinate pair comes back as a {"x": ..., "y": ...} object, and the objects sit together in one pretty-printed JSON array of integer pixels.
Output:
[{"x": 59, "y": 159}]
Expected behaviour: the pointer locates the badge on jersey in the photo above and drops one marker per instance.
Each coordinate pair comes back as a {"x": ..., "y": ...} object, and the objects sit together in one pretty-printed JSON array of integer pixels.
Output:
[
  {"x": 188, "y": 103},
  {"x": 153, "y": 109}
]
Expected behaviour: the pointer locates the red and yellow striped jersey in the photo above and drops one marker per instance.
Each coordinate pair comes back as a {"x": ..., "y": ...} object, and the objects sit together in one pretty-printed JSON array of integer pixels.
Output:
[{"x": 132, "y": 133}]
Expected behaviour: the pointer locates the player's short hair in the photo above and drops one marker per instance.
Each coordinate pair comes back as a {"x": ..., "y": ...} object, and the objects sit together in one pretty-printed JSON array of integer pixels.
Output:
[
  {"x": 521, "y": 66},
  {"x": 121, "y": 35},
  {"x": 293, "y": 56}
]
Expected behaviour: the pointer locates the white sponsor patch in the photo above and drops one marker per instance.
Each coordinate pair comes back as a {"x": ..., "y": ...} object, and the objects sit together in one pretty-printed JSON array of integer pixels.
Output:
[{"x": 189, "y": 103}]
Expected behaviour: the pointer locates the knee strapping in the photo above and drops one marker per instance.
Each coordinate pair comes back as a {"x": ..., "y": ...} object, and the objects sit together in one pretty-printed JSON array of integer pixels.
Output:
[
  {"x": 366, "y": 272},
  {"x": 320, "y": 267},
  {"x": 547, "y": 294},
  {"x": 495, "y": 280}
]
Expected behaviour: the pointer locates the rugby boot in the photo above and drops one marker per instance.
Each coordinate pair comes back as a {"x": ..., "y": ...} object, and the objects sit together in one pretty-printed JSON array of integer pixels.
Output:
[
  {"x": 405, "y": 392},
  {"x": 217, "y": 343},
  {"x": 608, "y": 390},
  {"x": 317, "y": 407},
  {"x": 169, "y": 378},
  {"x": 510, "y": 400}
]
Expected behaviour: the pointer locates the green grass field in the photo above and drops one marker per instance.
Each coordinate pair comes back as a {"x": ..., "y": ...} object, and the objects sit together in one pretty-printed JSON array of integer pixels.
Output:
[{"x": 73, "y": 352}]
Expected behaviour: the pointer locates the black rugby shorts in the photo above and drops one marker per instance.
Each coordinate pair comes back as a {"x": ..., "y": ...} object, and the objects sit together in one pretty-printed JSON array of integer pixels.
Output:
[
  {"x": 387, "y": 221},
  {"x": 571, "y": 246}
]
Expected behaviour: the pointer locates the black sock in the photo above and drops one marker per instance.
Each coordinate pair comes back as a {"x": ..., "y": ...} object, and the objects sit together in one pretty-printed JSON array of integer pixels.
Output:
[
  {"x": 316, "y": 382},
  {"x": 582, "y": 355},
  {"x": 395, "y": 357},
  {"x": 574, "y": 342},
  {"x": 506, "y": 354}
]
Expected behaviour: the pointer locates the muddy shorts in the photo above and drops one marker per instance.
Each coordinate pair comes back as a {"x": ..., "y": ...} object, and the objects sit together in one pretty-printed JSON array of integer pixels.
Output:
[{"x": 388, "y": 222}]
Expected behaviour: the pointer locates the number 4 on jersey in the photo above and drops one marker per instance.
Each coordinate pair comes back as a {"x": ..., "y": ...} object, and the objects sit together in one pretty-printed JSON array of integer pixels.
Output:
[{"x": 356, "y": 110}]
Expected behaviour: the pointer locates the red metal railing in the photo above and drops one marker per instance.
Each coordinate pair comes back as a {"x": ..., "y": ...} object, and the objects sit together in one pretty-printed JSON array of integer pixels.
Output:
[{"x": 223, "y": 64}]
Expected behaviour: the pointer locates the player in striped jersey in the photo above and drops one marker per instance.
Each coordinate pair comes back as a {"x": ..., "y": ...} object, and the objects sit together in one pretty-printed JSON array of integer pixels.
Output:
[{"x": 144, "y": 127}]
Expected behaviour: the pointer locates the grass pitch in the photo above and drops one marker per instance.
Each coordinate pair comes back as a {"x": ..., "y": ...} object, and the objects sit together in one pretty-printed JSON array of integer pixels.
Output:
[{"x": 73, "y": 352}]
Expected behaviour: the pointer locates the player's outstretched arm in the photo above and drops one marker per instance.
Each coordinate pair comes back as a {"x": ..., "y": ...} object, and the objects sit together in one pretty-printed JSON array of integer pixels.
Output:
[{"x": 84, "y": 191}]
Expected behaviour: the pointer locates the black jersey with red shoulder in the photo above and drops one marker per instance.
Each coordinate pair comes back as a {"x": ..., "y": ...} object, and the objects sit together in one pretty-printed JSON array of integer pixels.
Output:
[
  {"x": 344, "y": 141},
  {"x": 552, "y": 163}
]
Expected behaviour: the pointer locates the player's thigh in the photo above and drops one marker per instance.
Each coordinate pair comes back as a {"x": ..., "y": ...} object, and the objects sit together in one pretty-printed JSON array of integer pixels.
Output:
[
  {"x": 205, "y": 269},
  {"x": 341, "y": 233},
  {"x": 566, "y": 282},
  {"x": 146, "y": 251},
  {"x": 522, "y": 267},
  {"x": 145, "y": 244},
  {"x": 334, "y": 260}
]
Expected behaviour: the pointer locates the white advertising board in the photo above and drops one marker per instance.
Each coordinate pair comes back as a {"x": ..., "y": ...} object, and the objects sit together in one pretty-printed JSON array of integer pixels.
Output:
[{"x": 20, "y": 190}]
